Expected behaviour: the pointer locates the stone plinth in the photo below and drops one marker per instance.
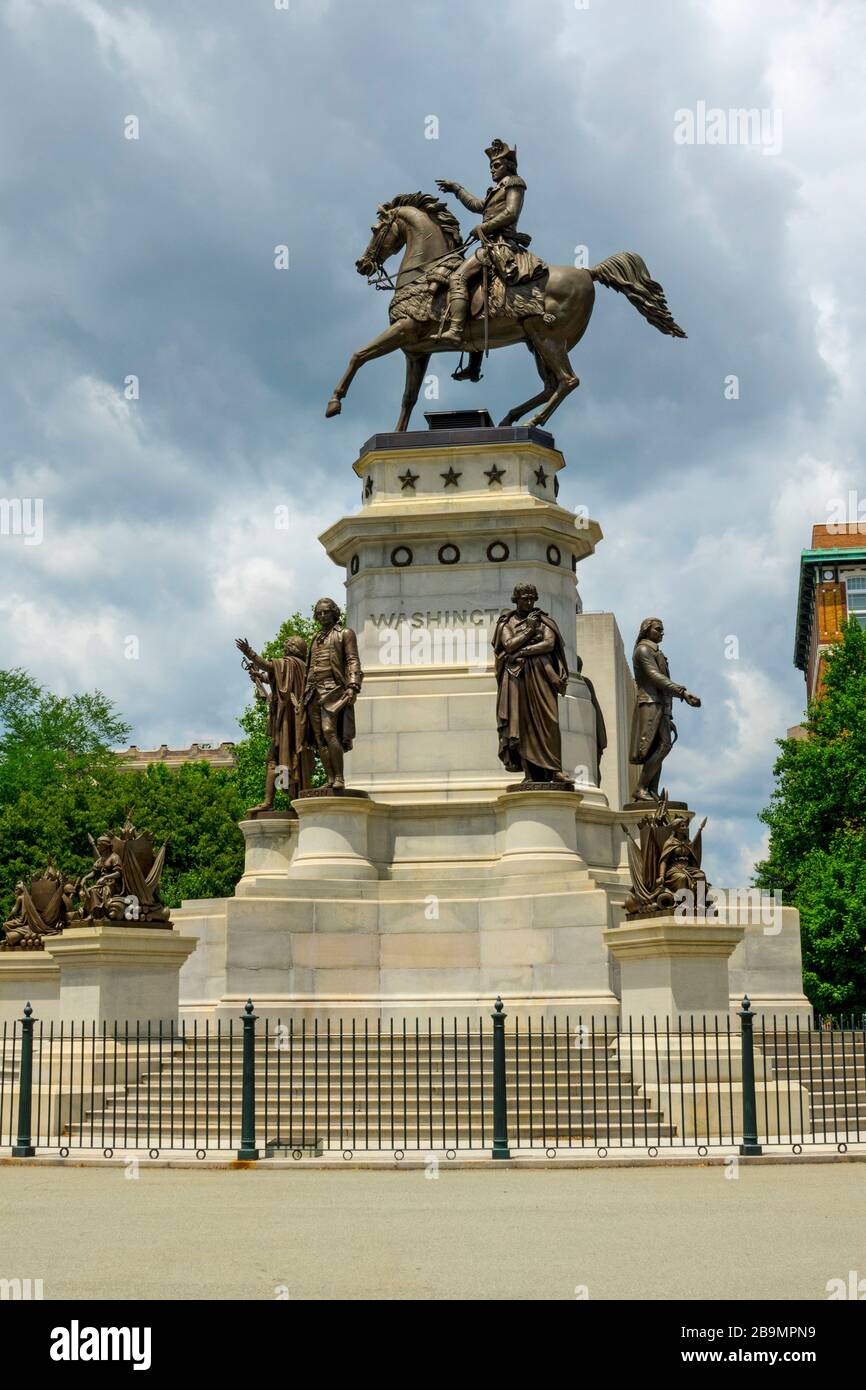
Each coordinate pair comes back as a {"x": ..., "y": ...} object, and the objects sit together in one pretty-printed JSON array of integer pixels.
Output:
[
  {"x": 389, "y": 909},
  {"x": 333, "y": 838},
  {"x": 673, "y": 968},
  {"x": 111, "y": 973},
  {"x": 444, "y": 889},
  {"x": 693, "y": 1076},
  {"x": 270, "y": 845},
  {"x": 430, "y": 564},
  {"x": 28, "y": 976},
  {"x": 539, "y": 832}
]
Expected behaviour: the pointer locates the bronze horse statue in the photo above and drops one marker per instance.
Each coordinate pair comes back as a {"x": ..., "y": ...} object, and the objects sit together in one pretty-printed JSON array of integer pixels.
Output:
[{"x": 430, "y": 234}]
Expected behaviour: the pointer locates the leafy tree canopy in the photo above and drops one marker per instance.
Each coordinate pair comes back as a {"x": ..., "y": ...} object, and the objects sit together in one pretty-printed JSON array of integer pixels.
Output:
[
  {"x": 60, "y": 780},
  {"x": 817, "y": 820}
]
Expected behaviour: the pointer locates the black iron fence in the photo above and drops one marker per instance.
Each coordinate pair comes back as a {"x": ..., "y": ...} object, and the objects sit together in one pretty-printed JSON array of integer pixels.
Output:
[{"x": 502, "y": 1086}]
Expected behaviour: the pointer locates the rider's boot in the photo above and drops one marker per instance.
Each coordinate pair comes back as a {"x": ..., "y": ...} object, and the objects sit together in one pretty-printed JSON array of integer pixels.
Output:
[
  {"x": 458, "y": 309},
  {"x": 472, "y": 370}
]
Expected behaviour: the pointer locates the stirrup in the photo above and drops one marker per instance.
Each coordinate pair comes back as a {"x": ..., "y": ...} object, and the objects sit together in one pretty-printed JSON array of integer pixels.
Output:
[{"x": 464, "y": 373}]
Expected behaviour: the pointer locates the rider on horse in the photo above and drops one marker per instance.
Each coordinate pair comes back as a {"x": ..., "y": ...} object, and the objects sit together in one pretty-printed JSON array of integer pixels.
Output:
[{"x": 503, "y": 248}]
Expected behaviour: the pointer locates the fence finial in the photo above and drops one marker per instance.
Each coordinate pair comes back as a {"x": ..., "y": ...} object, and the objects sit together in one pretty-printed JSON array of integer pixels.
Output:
[{"x": 498, "y": 1005}]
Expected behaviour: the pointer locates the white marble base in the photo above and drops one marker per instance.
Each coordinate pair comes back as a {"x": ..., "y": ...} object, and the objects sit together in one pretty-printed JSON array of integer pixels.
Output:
[
  {"x": 111, "y": 973},
  {"x": 28, "y": 977},
  {"x": 539, "y": 832},
  {"x": 673, "y": 969},
  {"x": 333, "y": 838},
  {"x": 438, "y": 907}
]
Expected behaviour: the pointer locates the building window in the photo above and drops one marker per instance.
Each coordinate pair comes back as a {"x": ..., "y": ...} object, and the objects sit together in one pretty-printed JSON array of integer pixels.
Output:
[{"x": 856, "y": 590}]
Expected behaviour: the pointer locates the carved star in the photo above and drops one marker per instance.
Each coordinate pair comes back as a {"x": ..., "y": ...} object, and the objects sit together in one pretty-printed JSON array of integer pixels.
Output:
[
  {"x": 495, "y": 475},
  {"x": 408, "y": 479},
  {"x": 540, "y": 476},
  {"x": 368, "y": 486},
  {"x": 451, "y": 478}
]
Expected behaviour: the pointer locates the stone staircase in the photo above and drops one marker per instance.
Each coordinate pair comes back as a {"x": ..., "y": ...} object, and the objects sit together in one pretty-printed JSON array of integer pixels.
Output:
[
  {"x": 831, "y": 1066},
  {"x": 336, "y": 1098}
]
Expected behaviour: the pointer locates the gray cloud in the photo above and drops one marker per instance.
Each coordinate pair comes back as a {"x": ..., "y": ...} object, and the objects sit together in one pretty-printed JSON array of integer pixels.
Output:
[{"x": 260, "y": 127}]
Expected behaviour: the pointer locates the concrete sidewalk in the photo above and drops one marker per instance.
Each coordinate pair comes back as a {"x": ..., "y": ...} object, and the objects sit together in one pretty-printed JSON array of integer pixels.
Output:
[{"x": 778, "y": 1231}]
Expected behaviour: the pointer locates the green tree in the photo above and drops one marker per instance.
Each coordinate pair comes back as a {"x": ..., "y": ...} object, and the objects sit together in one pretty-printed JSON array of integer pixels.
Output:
[
  {"x": 60, "y": 780},
  {"x": 252, "y": 751},
  {"x": 817, "y": 820},
  {"x": 196, "y": 808},
  {"x": 58, "y": 777}
]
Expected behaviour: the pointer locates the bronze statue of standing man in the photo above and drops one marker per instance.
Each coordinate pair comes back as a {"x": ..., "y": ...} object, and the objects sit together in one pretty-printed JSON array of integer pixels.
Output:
[
  {"x": 333, "y": 681},
  {"x": 280, "y": 681},
  {"x": 653, "y": 731},
  {"x": 531, "y": 674}
]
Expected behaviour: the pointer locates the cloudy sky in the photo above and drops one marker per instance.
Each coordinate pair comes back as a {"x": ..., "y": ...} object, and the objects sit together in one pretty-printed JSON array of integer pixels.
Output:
[{"x": 260, "y": 125}]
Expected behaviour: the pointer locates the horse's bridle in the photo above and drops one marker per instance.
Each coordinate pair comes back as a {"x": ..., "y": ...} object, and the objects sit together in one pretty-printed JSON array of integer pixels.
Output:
[{"x": 383, "y": 280}]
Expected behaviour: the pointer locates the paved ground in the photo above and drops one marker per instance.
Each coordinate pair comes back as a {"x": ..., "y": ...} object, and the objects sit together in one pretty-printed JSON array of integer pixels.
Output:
[{"x": 772, "y": 1232}]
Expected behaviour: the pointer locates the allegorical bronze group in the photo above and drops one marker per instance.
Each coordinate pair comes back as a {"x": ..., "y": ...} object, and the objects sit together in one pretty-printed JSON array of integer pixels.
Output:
[
  {"x": 665, "y": 865},
  {"x": 451, "y": 294},
  {"x": 122, "y": 886}
]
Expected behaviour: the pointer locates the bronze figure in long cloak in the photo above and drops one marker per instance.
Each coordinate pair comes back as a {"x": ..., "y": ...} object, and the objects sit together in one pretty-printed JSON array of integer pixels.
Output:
[
  {"x": 531, "y": 674},
  {"x": 280, "y": 681}
]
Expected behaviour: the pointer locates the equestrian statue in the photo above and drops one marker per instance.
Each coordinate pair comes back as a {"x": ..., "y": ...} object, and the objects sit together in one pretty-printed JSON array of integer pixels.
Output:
[{"x": 445, "y": 300}]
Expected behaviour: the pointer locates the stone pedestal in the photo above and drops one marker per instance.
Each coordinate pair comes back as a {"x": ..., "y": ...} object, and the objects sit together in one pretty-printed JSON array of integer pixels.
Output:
[
  {"x": 672, "y": 968},
  {"x": 693, "y": 1076},
  {"x": 28, "y": 977},
  {"x": 539, "y": 832},
  {"x": 112, "y": 973},
  {"x": 270, "y": 846},
  {"x": 445, "y": 889},
  {"x": 333, "y": 838},
  {"x": 444, "y": 533}
]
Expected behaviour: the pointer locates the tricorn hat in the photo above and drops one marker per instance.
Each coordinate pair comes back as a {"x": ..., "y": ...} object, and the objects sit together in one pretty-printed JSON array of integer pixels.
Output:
[{"x": 499, "y": 150}]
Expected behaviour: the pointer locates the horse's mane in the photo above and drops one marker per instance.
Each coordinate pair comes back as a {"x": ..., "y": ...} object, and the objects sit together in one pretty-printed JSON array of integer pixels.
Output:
[{"x": 441, "y": 215}]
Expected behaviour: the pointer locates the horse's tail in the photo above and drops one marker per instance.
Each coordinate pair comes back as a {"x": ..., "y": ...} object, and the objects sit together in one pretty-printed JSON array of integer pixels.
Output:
[{"x": 627, "y": 273}]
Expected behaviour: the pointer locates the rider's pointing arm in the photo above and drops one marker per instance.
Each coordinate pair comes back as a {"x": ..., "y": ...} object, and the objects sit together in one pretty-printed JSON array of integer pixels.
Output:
[{"x": 468, "y": 199}]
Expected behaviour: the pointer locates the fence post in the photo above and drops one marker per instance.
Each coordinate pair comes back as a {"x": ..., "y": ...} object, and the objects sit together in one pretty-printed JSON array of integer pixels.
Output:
[
  {"x": 24, "y": 1146},
  {"x": 750, "y": 1143},
  {"x": 500, "y": 1102},
  {"x": 248, "y": 1148}
]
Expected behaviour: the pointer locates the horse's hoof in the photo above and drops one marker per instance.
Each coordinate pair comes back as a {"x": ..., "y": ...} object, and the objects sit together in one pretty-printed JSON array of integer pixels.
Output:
[
  {"x": 506, "y": 421},
  {"x": 333, "y": 407}
]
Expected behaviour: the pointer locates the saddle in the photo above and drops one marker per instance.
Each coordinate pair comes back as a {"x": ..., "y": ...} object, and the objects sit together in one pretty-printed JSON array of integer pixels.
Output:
[
  {"x": 520, "y": 296},
  {"x": 518, "y": 301}
]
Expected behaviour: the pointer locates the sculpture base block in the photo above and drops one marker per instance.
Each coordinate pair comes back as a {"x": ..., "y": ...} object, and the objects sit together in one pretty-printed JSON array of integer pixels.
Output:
[
  {"x": 370, "y": 910},
  {"x": 672, "y": 968},
  {"x": 28, "y": 977},
  {"x": 116, "y": 974}
]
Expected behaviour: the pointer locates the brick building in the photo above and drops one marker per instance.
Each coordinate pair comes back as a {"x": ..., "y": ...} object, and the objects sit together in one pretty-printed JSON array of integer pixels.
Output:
[
  {"x": 832, "y": 588},
  {"x": 220, "y": 755}
]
